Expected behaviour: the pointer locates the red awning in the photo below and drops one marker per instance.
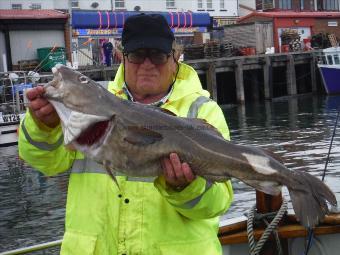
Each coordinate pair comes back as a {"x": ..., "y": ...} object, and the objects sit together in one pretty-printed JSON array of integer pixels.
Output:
[
  {"x": 291, "y": 14},
  {"x": 32, "y": 14}
]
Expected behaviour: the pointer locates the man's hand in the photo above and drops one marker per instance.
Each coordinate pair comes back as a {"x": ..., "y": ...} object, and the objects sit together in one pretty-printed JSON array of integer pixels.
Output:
[
  {"x": 178, "y": 175},
  {"x": 40, "y": 108}
]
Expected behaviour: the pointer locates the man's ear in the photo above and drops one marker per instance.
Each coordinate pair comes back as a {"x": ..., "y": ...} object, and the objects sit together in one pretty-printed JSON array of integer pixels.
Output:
[
  {"x": 176, "y": 55},
  {"x": 178, "y": 50},
  {"x": 174, "y": 64}
]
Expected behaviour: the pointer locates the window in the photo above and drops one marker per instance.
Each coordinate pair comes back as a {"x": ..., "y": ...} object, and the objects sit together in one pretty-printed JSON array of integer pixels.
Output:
[
  {"x": 330, "y": 5},
  {"x": 268, "y": 4},
  {"x": 17, "y": 6},
  {"x": 330, "y": 59},
  {"x": 75, "y": 4},
  {"x": 35, "y": 6},
  {"x": 336, "y": 59},
  {"x": 222, "y": 7},
  {"x": 119, "y": 4},
  {"x": 170, "y": 3},
  {"x": 285, "y": 4},
  {"x": 209, "y": 4},
  {"x": 200, "y": 4}
]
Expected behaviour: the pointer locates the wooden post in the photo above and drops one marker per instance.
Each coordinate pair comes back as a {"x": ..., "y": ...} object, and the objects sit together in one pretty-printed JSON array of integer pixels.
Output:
[
  {"x": 211, "y": 80},
  {"x": 268, "y": 79},
  {"x": 265, "y": 204},
  {"x": 293, "y": 107},
  {"x": 239, "y": 81},
  {"x": 254, "y": 86},
  {"x": 291, "y": 76},
  {"x": 312, "y": 72}
]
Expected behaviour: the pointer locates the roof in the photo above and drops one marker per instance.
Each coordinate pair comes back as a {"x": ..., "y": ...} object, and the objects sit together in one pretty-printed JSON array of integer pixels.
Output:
[
  {"x": 32, "y": 14},
  {"x": 291, "y": 14}
]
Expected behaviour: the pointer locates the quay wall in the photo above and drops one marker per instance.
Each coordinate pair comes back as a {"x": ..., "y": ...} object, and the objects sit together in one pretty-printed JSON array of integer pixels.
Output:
[{"x": 237, "y": 80}]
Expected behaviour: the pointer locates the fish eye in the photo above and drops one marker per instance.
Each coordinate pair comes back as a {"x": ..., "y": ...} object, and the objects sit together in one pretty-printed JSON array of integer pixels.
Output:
[{"x": 83, "y": 79}]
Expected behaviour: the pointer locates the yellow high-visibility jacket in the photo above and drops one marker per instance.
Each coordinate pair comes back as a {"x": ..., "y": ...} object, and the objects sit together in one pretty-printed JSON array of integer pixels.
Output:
[{"x": 144, "y": 216}]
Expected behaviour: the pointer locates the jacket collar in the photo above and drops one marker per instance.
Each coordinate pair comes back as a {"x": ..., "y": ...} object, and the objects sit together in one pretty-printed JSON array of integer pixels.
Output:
[{"x": 187, "y": 83}]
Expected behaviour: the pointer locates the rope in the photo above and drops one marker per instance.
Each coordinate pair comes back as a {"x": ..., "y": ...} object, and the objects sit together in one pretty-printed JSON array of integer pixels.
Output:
[
  {"x": 309, "y": 242},
  {"x": 254, "y": 247},
  {"x": 330, "y": 146}
]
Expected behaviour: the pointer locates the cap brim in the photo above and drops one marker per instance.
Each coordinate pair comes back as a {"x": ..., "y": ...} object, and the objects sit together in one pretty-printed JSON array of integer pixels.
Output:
[{"x": 163, "y": 44}]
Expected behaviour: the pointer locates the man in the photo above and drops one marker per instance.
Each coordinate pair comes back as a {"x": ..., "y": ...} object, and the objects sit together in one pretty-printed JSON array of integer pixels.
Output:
[
  {"x": 173, "y": 214},
  {"x": 108, "y": 49}
]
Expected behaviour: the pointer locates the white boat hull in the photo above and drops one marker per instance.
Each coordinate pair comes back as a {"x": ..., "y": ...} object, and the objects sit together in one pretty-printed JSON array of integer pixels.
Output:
[
  {"x": 8, "y": 134},
  {"x": 321, "y": 245}
]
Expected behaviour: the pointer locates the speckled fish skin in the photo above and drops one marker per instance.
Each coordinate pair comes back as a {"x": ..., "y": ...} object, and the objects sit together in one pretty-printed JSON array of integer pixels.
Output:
[{"x": 135, "y": 137}]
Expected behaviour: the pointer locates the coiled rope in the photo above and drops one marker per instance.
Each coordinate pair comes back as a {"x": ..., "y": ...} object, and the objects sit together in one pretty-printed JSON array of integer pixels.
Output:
[{"x": 254, "y": 247}]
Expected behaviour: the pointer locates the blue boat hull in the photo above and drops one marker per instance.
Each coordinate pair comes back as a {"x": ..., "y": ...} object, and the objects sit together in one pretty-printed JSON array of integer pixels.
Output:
[{"x": 331, "y": 78}]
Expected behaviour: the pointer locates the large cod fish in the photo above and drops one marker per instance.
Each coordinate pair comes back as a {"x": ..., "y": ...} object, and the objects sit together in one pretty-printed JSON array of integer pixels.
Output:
[{"x": 132, "y": 138}]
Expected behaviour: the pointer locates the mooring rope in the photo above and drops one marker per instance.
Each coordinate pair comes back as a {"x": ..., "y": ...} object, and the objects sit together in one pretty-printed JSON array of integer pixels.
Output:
[
  {"x": 254, "y": 247},
  {"x": 330, "y": 146},
  {"x": 310, "y": 235}
]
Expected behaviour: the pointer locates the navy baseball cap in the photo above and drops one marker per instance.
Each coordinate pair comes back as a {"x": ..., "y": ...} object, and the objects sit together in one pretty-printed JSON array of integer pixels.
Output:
[{"x": 149, "y": 31}]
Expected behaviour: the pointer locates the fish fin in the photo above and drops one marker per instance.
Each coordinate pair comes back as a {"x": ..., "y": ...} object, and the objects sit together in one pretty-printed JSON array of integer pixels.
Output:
[
  {"x": 142, "y": 136},
  {"x": 110, "y": 172},
  {"x": 268, "y": 187},
  {"x": 309, "y": 197}
]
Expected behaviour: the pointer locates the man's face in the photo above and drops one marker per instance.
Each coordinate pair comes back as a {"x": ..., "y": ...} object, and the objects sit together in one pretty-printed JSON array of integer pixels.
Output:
[{"x": 148, "y": 77}]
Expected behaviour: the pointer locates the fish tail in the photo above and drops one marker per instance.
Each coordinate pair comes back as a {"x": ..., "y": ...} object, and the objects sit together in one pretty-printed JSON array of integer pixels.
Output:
[{"x": 309, "y": 197}]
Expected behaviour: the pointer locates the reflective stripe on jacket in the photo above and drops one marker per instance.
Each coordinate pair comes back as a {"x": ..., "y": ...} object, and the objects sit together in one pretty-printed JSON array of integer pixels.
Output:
[{"x": 144, "y": 216}]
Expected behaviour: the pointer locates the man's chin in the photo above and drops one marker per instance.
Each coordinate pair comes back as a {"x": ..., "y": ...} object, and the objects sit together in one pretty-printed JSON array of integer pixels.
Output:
[{"x": 148, "y": 86}]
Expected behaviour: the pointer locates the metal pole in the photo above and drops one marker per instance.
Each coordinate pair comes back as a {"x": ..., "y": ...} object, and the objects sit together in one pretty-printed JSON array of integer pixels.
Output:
[
  {"x": 70, "y": 27},
  {"x": 33, "y": 248}
]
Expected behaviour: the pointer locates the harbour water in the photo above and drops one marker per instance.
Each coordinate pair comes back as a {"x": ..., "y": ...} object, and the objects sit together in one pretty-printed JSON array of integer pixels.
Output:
[{"x": 299, "y": 129}]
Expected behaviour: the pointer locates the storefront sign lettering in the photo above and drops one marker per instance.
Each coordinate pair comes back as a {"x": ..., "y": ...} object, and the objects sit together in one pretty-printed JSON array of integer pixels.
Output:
[{"x": 96, "y": 32}]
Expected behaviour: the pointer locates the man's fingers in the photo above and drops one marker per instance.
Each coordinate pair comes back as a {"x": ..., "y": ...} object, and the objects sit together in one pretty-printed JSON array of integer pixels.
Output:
[
  {"x": 38, "y": 103},
  {"x": 34, "y": 93},
  {"x": 177, "y": 166},
  {"x": 45, "y": 110},
  {"x": 178, "y": 175},
  {"x": 189, "y": 175},
  {"x": 168, "y": 169}
]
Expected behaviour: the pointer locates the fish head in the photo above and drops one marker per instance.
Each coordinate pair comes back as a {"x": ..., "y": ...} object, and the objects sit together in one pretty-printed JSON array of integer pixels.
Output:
[
  {"x": 85, "y": 108},
  {"x": 78, "y": 92}
]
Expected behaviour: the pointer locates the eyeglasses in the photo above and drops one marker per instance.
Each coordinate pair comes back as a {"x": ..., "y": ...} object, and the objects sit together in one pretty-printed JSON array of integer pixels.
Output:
[{"x": 156, "y": 57}]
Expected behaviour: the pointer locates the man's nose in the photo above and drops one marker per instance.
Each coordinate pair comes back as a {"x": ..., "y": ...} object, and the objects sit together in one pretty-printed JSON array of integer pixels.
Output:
[{"x": 147, "y": 62}]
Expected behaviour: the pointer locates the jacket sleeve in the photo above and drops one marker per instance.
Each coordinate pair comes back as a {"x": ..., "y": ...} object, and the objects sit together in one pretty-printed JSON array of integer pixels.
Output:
[
  {"x": 43, "y": 147},
  {"x": 202, "y": 199}
]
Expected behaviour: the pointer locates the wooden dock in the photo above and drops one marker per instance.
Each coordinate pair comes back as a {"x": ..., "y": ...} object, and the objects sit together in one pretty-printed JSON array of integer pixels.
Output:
[{"x": 258, "y": 77}]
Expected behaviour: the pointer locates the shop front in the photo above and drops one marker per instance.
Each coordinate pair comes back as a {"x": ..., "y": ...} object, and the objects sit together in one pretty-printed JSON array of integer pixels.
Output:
[{"x": 93, "y": 31}]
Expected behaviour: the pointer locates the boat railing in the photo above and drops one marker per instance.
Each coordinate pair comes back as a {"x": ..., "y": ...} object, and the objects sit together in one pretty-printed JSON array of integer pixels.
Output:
[
  {"x": 330, "y": 56},
  {"x": 13, "y": 86},
  {"x": 34, "y": 248}
]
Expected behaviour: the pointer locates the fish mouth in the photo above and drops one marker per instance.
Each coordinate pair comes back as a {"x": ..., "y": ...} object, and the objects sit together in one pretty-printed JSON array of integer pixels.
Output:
[{"x": 94, "y": 135}]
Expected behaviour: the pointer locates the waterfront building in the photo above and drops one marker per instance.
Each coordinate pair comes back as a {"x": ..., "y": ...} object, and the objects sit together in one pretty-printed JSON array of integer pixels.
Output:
[
  {"x": 306, "y": 24},
  {"x": 185, "y": 18}
]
